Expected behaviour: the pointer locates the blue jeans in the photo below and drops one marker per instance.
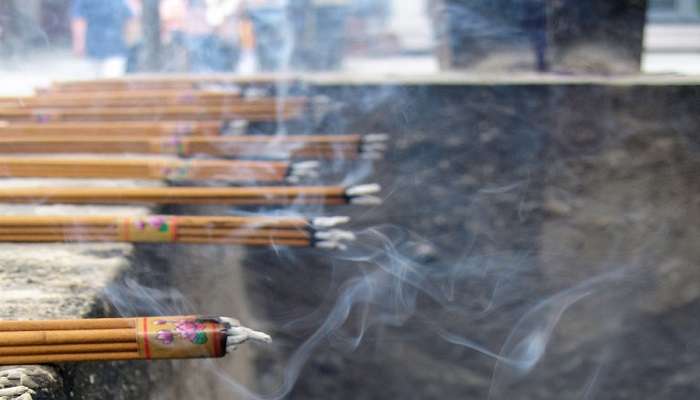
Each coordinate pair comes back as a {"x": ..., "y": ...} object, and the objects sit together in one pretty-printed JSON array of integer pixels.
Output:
[{"x": 269, "y": 25}]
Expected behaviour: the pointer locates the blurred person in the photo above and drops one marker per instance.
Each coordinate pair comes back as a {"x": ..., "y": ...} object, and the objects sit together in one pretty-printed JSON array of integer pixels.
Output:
[
  {"x": 134, "y": 36},
  {"x": 270, "y": 26},
  {"x": 534, "y": 23},
  {"x": 98, "y": 28},
  {"x": 173, "y": 17},
  {"x": 195, "y": 36},
  {"x": 199, "y": 38},
  {"x": 246, "y": 34},
  {"x": 330, "y": 18}
]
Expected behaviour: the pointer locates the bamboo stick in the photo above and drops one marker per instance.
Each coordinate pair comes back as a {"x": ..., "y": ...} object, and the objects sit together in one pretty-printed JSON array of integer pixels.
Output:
[
  {"x": 182, "y": 221},
  {"x": 126, "y": 99},
  {"x": 67, "y": 337},
  {"x": 330, "y": 195},
  {"x": 229, "y": 146},
  {"x": 138, "y": 168},
  {"x": 117, "y": 129},
  {"x": 35, "y": 350},
  {"x": 69, "y": 358},
  {"x": 64, "y": 325},
  {"x": 174, "y": 81},
  {"x": 250, "y": 110},
  {"x": 115, "y": 234}
]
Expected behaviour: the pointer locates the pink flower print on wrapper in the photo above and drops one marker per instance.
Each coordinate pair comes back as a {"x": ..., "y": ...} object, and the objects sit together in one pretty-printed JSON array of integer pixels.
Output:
[
  {"x": 192, "y": 331},
  {"x": 159, "y": 222},
  {"x": 165, "y": 337}
]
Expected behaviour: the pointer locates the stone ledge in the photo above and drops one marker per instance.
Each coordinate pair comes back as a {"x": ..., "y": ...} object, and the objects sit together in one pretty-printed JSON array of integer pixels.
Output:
[{"x": 59, "y": 281}]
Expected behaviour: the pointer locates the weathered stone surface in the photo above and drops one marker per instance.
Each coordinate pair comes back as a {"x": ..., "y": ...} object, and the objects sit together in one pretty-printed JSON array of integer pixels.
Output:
[
  {"x": 536, "y": 196},
  {"x": 65, "y": 281}
]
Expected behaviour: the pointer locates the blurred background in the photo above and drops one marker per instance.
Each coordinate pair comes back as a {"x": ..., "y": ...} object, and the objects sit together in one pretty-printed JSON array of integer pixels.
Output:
[{"x": 378, "y": 36}]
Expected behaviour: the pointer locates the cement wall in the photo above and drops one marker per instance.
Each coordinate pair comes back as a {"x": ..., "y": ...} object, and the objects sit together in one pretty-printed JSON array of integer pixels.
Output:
[{"x": 529, "y": 193}]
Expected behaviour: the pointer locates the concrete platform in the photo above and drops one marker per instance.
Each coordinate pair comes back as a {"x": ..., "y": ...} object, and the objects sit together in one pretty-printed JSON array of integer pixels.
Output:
[{"x": 61, "y": 281}]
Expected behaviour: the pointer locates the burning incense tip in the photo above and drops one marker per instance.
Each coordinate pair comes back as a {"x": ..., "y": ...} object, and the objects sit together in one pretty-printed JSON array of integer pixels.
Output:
[
  {"x": 364, "y": 190},
  {"x": 334, "y": 239},
  {"x": 303, "y": 170},
  {"x": 376, "y": 138},
  {"x": 364, "y": 194},
  {"x": 336, "y": 235},
  {"x": 238, "y": 334},
  {"x": 366, "y": 201},
  {"x": 329, "y": 222},
  {"x": 374, "y": 147},
  {"x": 372, "y": 156}
]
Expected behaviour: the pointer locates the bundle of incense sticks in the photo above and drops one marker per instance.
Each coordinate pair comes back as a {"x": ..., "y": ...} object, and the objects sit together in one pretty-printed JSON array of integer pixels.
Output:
[
  {"x": 148, "y": 168},
  {"x": 239, "y": 196},
  {"x": 111, "y": 129},
  {"x": 117, "y": 339},
  {"x": 251, "y": 110},
  {"x": 271, "y": 147},
  {"x": 219, "y": 230},
  {"x": 127, "y": 98}
]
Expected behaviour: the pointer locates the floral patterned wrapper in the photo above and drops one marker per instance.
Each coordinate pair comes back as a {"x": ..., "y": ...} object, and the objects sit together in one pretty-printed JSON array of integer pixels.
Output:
[
  {"x": 170, "y": 170},
  {"x": 181, "y": 337},
  {"x": 173, "y": 146},
  {"x": 151, "y": 229}
]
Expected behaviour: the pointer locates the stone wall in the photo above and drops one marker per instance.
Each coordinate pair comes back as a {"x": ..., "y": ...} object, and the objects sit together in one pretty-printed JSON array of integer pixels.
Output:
[{"x": 549, "y": 200}]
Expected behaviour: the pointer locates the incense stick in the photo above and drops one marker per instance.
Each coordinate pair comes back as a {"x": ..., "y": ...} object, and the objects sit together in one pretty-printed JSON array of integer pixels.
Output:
[
  {"x": 252, "y": 110},
  {"x": 126, "y": 99},
  {"x": 149, "y": 338},
  {"x": 111, "y": 129},
  {"x": 269, "y": 147},
  {"x": 327, "y": 195},
  {"x": 174, "y": 81},
  {"x": 145, "y": 168}
]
